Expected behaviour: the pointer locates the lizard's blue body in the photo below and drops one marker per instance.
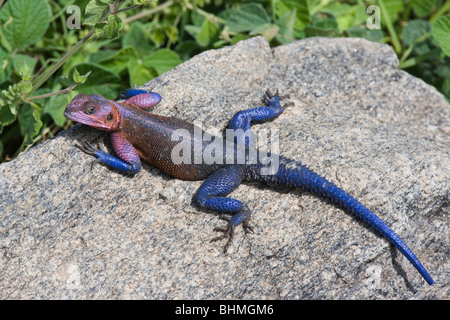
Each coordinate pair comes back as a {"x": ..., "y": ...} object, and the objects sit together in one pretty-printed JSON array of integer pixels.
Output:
[{"x": 137, "y": 134}]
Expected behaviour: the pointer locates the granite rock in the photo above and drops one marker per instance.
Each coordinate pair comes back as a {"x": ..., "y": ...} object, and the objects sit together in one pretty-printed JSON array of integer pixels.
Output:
[{"x": 71, "y": 232}]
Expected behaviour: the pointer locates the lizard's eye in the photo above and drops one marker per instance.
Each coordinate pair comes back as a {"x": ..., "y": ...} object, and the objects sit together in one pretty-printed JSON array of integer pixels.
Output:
[
  {"x": 109, "y": 117},
  {"x": 90, "y": 109}
]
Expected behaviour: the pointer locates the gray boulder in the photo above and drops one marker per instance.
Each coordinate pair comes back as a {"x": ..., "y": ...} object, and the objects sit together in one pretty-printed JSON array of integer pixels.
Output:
[{"x": 71, "y": 232}]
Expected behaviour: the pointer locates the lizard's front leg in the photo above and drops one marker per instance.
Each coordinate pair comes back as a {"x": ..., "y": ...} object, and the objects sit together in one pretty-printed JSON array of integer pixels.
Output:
[
  {"x": 212, "y": 195},
  {"x": 128, "y": 159}
]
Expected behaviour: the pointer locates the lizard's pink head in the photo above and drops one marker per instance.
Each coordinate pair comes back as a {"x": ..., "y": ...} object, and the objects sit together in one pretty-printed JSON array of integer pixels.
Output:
[{"x": 94, "y": 111}]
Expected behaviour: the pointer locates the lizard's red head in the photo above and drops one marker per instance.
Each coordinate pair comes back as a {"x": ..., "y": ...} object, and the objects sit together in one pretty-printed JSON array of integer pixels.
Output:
[{"x": 94, "y": 111}]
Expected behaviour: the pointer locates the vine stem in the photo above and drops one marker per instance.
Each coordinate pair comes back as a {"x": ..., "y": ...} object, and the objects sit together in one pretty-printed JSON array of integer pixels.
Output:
[
  {"x": 55, "y": 67},
  {"x": 148, "y": 12},
  {"x": 69, "y": 89},
  {"x": 394, "y": 38}
]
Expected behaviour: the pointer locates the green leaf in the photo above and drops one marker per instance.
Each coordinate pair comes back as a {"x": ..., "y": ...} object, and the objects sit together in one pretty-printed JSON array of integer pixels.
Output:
[
  {"x": 268, "y": 31},
  {"x": 78, "y": 78},
  {"x": 192, "y": 30},
  {"x": 414, "y": 30},
  {"x": 138, "y": 38},
  {"x": 6, "y": 116},
  {"x": 101, "y": 81},
  {"x": 374, "y": 35},
  {"x": 162, "y": 60},
  {"x": 343, "y": 12},
  {"x": 139, "y": 74},
  {"x": 246, "y": 17},
  {"x": 37, "y": 111},
  {"x": 20, "y": 59},
  {"x": 286, "y": 27},
  {"x": 24, "y": 86},
  {"x": 444, "y": 71},
  {"x": 393, "y": 8},
  {"x": 360, "y": 14},
  {"x": 207, "y": 33},
  {"x": 197, "y": 18},
  {"x": 24, "y": 21},
  {"x": 109, "y": 29},
  {"x": 204, "y": 30},
  {"x": 29, "y": 120},
  {"x": 94, "y": 12},
  {"x": 302, "y": 11},
  {"x": 157, "y": 35},
  {"x": 97, "y": 57},
  {"x": 422, "y": 8},
  {"x": 326, "y": 27},
  {"x": 55, "y": 107},
  {"x": 119, "y": 61},
  {"x": 441, "y": 33},
  {"x": 171, "y": 33},
  {"x": 25, "y": 72}
]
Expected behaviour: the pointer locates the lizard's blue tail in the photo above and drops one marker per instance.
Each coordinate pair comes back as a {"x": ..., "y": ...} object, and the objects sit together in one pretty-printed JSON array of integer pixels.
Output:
[{"x": 304, "y": 178}]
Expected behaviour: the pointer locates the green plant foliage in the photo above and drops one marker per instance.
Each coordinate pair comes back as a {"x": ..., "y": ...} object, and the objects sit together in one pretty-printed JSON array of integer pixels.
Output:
[
  {"x": 246, "y": 17},
  {"x": 44, "y": 62},
  {"x": 441, "y": 33},
  {"x": 161, "y": 60},
  {"x": 422, "y": 8},
  {"x": 24, "y": 22}
]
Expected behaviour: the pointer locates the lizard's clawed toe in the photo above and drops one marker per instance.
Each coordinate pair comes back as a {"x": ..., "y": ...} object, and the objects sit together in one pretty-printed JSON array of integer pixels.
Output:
[
  {"x": 268, "y": 96},
  {"x": 228, "y": 232},
  {"x": 247, "y": 227},
  {"x": 87, "y": 147}
]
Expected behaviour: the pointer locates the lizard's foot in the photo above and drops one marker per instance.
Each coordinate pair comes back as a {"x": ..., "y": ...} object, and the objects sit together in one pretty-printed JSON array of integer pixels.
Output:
[
  {"x": 268, "y": 96},
  {"x": 228, "y": 232},
  {"x": 88, "y": 148}
]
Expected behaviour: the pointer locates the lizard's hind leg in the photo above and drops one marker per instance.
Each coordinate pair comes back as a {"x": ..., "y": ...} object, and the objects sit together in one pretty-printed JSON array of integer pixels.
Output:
[
  {"x": 243, "y": 119},
  {"x": 212, "y": 195}
]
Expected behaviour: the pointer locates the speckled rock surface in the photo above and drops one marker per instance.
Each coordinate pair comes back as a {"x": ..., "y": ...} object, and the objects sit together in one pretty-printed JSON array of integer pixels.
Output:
[{"x": 67, "y": 231}]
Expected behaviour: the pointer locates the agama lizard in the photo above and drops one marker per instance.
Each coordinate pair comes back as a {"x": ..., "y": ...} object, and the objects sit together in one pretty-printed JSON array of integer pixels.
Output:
[{"x": 136, "y": 133}]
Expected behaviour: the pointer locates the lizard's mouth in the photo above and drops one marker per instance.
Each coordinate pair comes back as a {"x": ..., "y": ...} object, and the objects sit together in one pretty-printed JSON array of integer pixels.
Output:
[{"x": 81, "y": 117}]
